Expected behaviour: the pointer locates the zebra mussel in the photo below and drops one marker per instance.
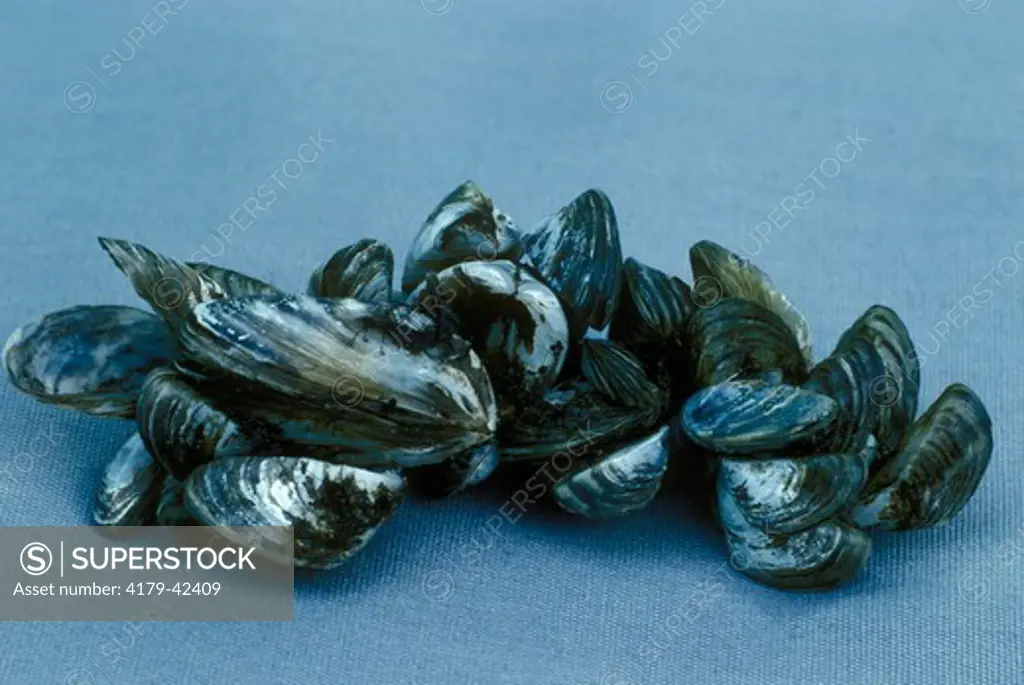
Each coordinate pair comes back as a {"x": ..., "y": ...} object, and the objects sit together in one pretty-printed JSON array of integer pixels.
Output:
[{"x": 504, "y": 347}]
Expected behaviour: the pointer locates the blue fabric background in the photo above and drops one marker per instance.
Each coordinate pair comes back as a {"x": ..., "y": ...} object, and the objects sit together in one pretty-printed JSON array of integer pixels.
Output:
[{"x": 517, "y": 96}]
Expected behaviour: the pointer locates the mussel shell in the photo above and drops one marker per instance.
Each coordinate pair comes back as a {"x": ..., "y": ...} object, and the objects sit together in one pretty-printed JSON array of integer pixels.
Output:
[
  {"x": 783, "y": 495},
  {"x": 850, "y": 376},
  {"x": 362, "y": 270},
  {"x": 755, "y": 418},
  {"x": 624, "y": 480},
  {"x": 130, "y": 489},
  {"x": 578, "y": 255},
  {"x": 736, "y": 338},
  {"x": 465, "y": 226},
  {"x": 171, "y": 288},
  {"x": 617, "y": 373},
  {"x": 374, "y": 384},
  {"x": 333, "y": 509},
  {"x": 817, "y": 558},
  {"x": 573, "y": 417},
  {"x": 896, "y": 391},
  {"x": 456, "y": 474},
  {"x": 183, "y": 429},
  {"x": 514, "y": 322},
  {"x": 937, "y": 469},
  {"x": 653, "y": 306},
  {"x": 171, "y": 510},
  {"x": 233, "y": 283},
  {"x": 90, "y": 358},
  {"x": 719, "y": 273}
]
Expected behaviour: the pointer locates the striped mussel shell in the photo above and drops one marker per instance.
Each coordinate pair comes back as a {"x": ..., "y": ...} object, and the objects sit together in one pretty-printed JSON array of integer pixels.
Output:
[
  {"x": 362, "y": 271},
  {"x": 577, "y": 253},
  {"x": 465, "y": 226},
  {"x": 936, "y": 470},
  {"x": 90, "y": 358},
  {"x": 360, "y": 383}
]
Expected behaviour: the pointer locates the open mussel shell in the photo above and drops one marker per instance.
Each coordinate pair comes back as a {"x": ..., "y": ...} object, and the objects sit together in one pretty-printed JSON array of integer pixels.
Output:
[
  {"x": 333, "y": 509},
  {"x": 171, "y": 510},
  {"x": 578, "y": 255},
  {"x": 783, "y": 495},
  {"x": 456, "y": 474},
  {"x": 850, "y": 376},
  {"x": 936, "y": 470},
  {"x": 362, "y": 270},
  {"x": 90, "y": 358},
  {"x": 182, "y": 428},
  {"x": 621, "y": 481},
  {"x": 736, "y": 338},
  {"x": 617, "y": 373},
  {"x": 756, "y": 418},
  {"x": 514, "y": 322},
  {"x": 653, "y": 306},
  {"x": 574, "y": 417},
  {"x": 170, "y": 287},
  {"x": 895, "y": 392},
  {"x": 130, "y": 489},
  {"x": 465, "y": 226},
  {"x": 719, "y": 273},
  {"x": 371, "y": 384}
]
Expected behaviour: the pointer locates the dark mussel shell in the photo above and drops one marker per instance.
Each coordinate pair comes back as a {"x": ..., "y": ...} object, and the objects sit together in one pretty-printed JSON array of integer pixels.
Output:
[
  {"x": 333, "y": 509},
  {"x": 786, "y": 495},
  {"x": 90, "y": 358},
  {"x": 736, "y": 338},
  {"x": 363, "y": 271},
  {"x": 820, "y": 558},
  {"x": 233, "y": 283},
  {"x": 937, "y": 468},
  {"x": 514, "y": 322},
  {"x": 465, "y": 226},
  {"x": 817, "y": 558},
  {"x": 752, "y": 417},
  {"x": 719, "y": 273},
  {"x": 614, "y": 371},
  {"x": 130, "y": 489},
  {"x": 367, "y": 384},
  {"x": 183, "y": 428},
  {"x": 456, "y": 474},
  {"x": 171, "y": 510},
  {"x": 896, "y": 391},
  {"x": 653, "y": 306},
  {"x": 574, "y": 417},
  {"x": 578, "y": 255},
  {"x": 850, "y": 376},
  {"x": 171, "y": 288},
  {"x": 624, "y": 479}
]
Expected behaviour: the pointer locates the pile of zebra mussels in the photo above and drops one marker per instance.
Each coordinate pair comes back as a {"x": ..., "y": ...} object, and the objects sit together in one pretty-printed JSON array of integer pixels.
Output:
[{"x": 259, "y": 407}]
